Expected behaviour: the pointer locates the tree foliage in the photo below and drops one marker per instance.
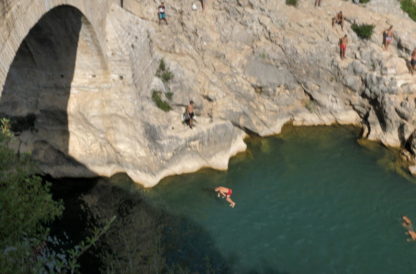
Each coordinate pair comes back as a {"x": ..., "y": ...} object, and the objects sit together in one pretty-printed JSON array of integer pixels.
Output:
[
  {"x": 26, "y": 211},
  {"x": 26, "y": 207}
]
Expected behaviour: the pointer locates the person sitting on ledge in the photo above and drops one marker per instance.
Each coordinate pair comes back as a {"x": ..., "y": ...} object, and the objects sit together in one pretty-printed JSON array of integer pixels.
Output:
[
  {"x": 225, "y": 192},
  {"x": 338, "y": 19},
  {"x": 189, "y": 114}
]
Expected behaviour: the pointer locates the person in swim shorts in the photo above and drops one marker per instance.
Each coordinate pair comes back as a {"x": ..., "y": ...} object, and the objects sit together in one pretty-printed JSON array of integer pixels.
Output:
[
  {"x": 343, "y": 46},
  {"x": 162, "y": 13},
  {"x": 387, "y": 37},
  {"x": 413, "y": 61},
  {"x": 225, "y": 192}
]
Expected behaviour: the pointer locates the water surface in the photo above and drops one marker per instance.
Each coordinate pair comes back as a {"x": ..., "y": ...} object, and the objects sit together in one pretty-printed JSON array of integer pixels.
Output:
[{"x": 311, "y": 200}]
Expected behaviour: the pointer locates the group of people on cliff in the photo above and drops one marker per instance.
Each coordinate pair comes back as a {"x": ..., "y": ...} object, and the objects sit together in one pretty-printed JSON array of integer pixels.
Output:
[
  {"x": 388, "y": 37},
  {"x": 161, "y": 11}
]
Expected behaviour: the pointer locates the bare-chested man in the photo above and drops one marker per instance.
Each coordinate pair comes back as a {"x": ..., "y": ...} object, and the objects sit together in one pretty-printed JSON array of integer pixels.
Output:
[
  {"x": 189, "y": 114},
  {"x": 338, "y": 19},
  {"x": 225, "y": 192},
  {"x": 407, "y": 223},
  {"x": 343, "y": 41},
  {"x": 387, "y": 37},
  {"x": 412, "y": 235}
]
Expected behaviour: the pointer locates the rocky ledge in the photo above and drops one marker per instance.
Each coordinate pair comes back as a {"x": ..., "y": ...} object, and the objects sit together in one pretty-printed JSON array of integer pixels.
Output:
[{"x": 250, "y": 66}]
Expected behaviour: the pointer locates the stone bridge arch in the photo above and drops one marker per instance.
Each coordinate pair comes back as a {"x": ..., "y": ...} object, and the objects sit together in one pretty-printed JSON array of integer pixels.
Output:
[
  {"x": 53, "y": 55},
  {"x": 18, "y": 17}
]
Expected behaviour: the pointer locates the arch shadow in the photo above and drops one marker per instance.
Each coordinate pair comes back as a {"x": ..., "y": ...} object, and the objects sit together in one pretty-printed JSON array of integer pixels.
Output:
[{"x": 50, "y": 64}]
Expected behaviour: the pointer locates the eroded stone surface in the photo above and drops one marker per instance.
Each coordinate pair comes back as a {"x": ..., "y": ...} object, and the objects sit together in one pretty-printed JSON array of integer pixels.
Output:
[{"x": 248, "y": 65}]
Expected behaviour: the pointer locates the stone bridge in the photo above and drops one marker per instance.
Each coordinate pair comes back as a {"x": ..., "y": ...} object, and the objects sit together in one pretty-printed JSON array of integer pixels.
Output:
[
  {"x": 73, "y": 74},
  {"x": 18, "y": 17}
]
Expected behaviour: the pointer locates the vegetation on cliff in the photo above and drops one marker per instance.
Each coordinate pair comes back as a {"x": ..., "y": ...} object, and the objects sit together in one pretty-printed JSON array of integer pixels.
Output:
[
  {"x": 364, "y": 31},
  {"x": 409, "y": 6},
  {"x": 292, "y": 2}
]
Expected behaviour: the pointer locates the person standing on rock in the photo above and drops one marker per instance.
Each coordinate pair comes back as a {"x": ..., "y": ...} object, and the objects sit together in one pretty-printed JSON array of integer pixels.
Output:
[
  {"x": 413, "y": 62},
  {"x": 343, "y": 46},
  {"x": 189, "y": 114},
  {"x": 162, "y": 13},
  {"x": 387, "y": 37},
  {"x": 338, "y": 19},
  {"x": 225, "y": 192}
]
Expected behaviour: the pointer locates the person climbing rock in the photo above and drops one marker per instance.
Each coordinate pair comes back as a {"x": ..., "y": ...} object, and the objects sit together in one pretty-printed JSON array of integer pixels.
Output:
[
  {"x": 162, "y": 13},
  {"x": 343, "y": 41},
  {"x": 225, "y": 192},
  {"x": 387, "y": 37},
  {"x": 317, "y": 3},
  {"x": 338, "y": 19},
  {"x": 413, "y": 62},
  {"x": 189, "y": 114},
  {"x": 202, "y": 3}
]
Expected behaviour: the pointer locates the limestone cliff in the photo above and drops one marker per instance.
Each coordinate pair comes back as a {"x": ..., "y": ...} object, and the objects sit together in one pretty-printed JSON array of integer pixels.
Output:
[{"x": 249, "y": 66}]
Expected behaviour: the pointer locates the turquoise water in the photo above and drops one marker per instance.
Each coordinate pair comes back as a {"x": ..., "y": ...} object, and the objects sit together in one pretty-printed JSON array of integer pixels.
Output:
[{"x": 311, "y": 200}]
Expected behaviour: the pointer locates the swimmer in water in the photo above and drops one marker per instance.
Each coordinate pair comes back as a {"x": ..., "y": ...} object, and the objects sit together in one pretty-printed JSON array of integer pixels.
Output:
[
  {"x": 225, "y": 192},
  {"x": 407, "y": 223}
]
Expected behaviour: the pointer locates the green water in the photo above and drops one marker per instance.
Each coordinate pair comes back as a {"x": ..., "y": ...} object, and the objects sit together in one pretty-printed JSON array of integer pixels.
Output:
[{"x": 311, "y": 200}]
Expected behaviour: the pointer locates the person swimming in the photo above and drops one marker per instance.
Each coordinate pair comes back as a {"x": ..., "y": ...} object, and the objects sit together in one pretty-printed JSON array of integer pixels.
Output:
[
  {"x": 225, "y": 192},
  {"x": 407, "y": 223}
]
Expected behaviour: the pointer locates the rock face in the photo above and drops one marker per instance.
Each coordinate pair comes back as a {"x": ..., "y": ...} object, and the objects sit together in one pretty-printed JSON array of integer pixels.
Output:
[{"x": 248, "y": 65}]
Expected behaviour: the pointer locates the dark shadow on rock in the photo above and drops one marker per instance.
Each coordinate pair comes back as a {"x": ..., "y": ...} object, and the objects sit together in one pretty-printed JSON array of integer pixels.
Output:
[{"x": 37, "y": 88}]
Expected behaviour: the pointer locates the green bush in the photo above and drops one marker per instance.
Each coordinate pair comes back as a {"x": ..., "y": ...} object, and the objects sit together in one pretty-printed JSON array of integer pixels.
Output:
[
  {"x": 364, "y": 31},
  {"x": 409, "y": 6},
  {"x": 163, "y": 72},
  {"x": 292, "y": 2},
  {"x": 163, "y": 105},
  {"x": 26, "y": 208},
  {"x": 169, "y": 95},
  {"x": 364, "y": 1}
]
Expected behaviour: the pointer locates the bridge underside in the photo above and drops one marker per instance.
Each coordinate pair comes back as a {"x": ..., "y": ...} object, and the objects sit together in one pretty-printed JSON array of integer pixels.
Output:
[{"x": 59, "y": 56}]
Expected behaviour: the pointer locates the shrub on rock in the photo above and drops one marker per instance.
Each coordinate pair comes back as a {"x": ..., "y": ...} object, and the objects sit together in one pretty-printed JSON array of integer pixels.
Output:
[
  {"x": 364, "y": 31},
  {"x": 292, "y": 2}
]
